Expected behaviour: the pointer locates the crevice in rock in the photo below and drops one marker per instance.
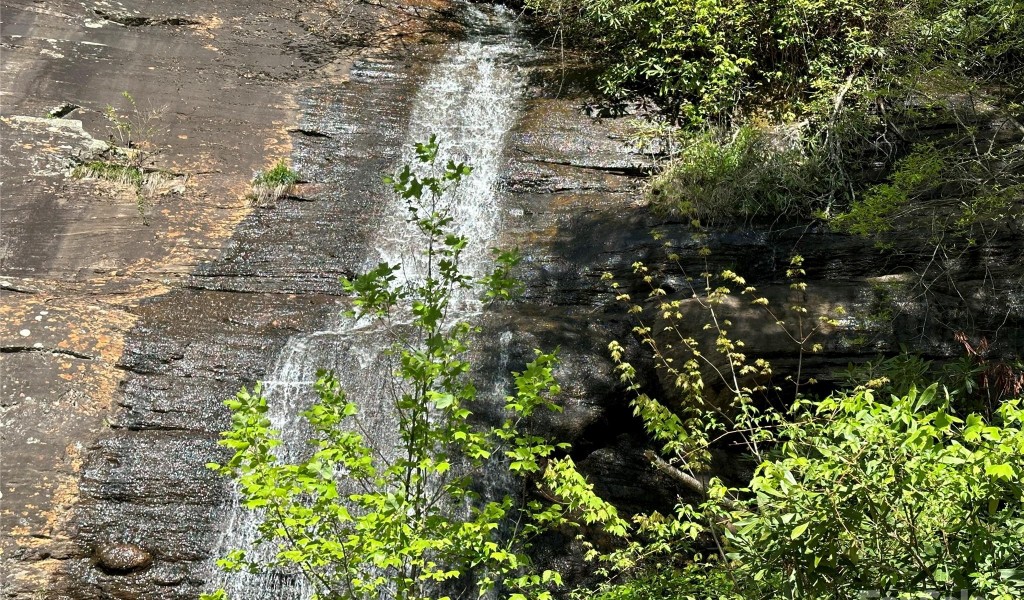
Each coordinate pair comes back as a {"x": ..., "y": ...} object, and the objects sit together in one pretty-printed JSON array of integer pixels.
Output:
[
  {"x": 309, "y": 132},
  {"x": 296, "y": 198},
  {"x": 142, "y": 21},
  {"x": 638, "y": 171},
  {"x": 20, "y": 349},
  {"x": 149, "y": 427},
  {"x": 59, "y": 112}
]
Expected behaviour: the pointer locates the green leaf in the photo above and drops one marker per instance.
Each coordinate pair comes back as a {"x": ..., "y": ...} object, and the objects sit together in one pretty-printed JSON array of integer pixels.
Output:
[
  {"x": 1001, "y": 471},
  {"x": 798, "y": 531}
]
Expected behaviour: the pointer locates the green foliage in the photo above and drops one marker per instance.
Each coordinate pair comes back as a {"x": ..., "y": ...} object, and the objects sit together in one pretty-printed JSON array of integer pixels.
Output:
[
  {"x": 915, "y": 176},
  {"x": 899, "y": 496},
  {"x": 987, "y": 187},
  {"x": 110, "y": 171},
  {"x": 711, "y": 61},
  {"x": 142, "y": 183},
  {"x": 692, "y": 581},
  {"x": 279, "y": 174},
  {"x": 706, "y": 60},
  {"x": 851, "y": 495},
  {"x": 745, "y": 175},
  {"x": 976, "y": 382},
  {"x": 854, "y": 79},
  {"x": 363, "y": 521},
  {"x": 269, "y": 185},
  {"x": 669, "y": 327}
]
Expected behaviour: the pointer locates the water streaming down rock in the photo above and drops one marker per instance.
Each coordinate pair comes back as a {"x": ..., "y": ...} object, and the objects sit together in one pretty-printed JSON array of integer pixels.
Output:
[{"x": 469, "y": 101}]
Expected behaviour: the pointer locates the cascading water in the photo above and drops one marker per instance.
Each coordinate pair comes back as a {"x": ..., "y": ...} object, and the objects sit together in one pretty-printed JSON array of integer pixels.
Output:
[{"x": 469, "y": 103}]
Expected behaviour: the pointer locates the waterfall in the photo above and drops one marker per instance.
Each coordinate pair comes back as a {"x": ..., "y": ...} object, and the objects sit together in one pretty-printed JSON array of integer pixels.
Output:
[{"x": 469, "y": 102}]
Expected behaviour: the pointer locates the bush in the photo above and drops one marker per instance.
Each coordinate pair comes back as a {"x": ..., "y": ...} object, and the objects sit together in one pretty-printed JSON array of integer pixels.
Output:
[
  {"x": 705, "y": 61},
  {"x": 852, "y": 495},
  {"x": 719, "y": 61},
  {"x": 750, "y": 174},
  {"x": 899, "y": 496}
]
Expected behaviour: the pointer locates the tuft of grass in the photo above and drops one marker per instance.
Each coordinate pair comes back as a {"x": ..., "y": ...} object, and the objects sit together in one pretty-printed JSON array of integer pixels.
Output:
[
  {"x": 280, "y": 174},
  {"x": 145, "y": 185},
  {"x": 270, "y": 185},
  {"x": 110, "y": 171}
]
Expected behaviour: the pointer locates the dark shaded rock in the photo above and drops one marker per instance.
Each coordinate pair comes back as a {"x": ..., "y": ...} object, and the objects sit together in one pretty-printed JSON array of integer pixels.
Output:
[
  {"x": 621, "y": 474},
  {"x": 61, "y": 111},
  {"x": 122, "y": 558}
]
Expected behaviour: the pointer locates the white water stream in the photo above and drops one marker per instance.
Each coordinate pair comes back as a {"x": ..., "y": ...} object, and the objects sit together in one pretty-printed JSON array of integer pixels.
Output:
[{"x": 469, "y": 101}]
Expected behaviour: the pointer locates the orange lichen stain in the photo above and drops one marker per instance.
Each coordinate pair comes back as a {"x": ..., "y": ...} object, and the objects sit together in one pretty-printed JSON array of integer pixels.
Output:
[
  {"x": 90, "y": 319},
  {"x": 207, "y": 27}
]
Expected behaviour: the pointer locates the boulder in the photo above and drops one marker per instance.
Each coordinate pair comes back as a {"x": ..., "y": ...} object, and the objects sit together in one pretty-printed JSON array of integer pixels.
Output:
[{"x": 122, "y": 558}]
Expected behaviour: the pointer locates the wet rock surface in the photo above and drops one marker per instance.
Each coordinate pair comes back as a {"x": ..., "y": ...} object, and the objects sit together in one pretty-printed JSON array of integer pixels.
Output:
[
  {"x": 278, "y": 276},
  {"x": 122, "y": 332},
  {"x": 136, "y": 333},
  {"x": 122, "y": 558}
]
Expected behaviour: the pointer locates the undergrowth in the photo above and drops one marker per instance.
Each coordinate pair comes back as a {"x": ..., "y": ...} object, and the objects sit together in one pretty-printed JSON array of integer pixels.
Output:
[{"x": 748, "y": 174}]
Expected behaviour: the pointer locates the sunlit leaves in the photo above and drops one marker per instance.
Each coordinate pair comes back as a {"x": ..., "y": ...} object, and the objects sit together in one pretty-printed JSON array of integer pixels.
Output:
[
  {"x": 368, "y": 522},
  {"x": 872, "y": 494}
]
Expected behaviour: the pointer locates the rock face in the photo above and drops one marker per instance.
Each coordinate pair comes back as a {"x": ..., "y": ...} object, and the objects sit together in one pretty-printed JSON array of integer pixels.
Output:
[
  {"x": 122, "y": 558},
  {"x": 122, "y": 330},
  {"x": 221, "y": 330},
  {"x": 578, "y": 185},
  {"x": 112, "y": 400}
]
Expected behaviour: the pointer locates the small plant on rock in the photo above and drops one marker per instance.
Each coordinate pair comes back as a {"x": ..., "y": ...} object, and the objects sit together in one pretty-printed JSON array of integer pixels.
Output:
[
  {"x": 131, "y": 131},
  {"x": 269, "y": 185},
  {"x": 129, "y": 149}
]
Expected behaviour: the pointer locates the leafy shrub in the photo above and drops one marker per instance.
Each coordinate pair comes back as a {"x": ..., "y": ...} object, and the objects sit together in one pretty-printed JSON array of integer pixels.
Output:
[
  {"x": 711, "y": 61},
  {"x": 705, "y": 60},
  {"x": 691, "y": 581},
  {"x": 895, "y": 496},
  {"x": 852, "y": 494},
  {"x": 750, "y": 174}
]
